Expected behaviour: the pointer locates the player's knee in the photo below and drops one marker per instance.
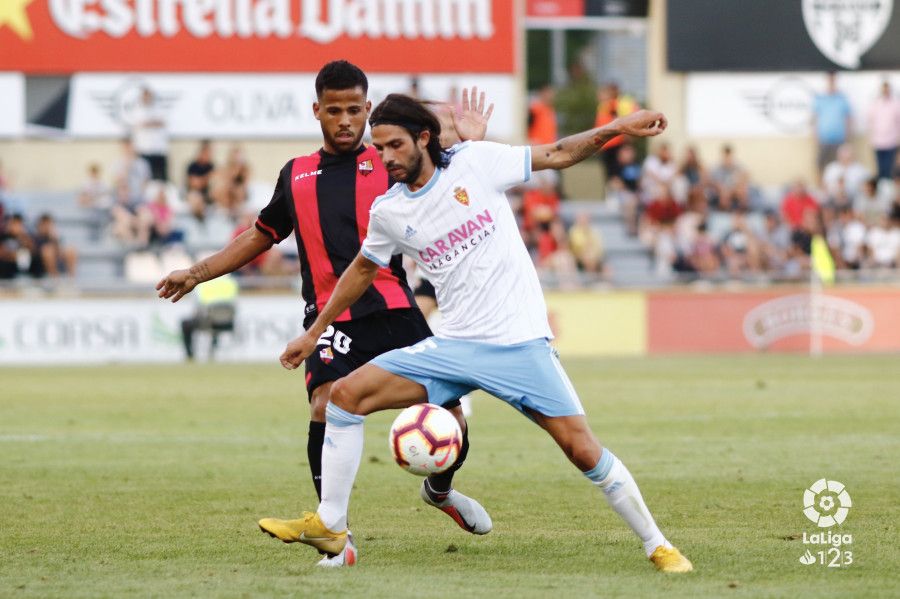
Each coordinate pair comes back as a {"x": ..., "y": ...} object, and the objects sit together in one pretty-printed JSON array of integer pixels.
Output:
[
  {"x": 344, "y": 396},
  {"x": 582, "y": 450}
]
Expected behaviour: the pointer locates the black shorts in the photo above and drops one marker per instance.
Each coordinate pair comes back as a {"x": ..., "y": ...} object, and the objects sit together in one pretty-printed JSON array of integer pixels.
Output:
[
  {"x": 346, "y": 346},
  {"x": 425, "y": 288}
]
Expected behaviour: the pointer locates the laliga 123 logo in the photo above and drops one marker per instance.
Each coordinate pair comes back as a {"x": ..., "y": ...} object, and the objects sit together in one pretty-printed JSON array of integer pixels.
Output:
[{"x": 827, "y": 503}]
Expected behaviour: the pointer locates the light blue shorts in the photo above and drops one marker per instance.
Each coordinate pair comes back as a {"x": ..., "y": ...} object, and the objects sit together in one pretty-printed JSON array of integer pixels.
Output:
[{"x": 525, "y": 375}]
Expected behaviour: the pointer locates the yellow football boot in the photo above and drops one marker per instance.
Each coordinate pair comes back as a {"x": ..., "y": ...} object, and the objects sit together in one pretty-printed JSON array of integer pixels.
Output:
[
  {"x": 308, "y": 529},
  {"x": 669, "y": 559}
]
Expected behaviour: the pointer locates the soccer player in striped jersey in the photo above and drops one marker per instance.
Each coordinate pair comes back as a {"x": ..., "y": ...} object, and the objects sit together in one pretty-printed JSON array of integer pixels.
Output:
[
  {"x": 449, "y": 213},
  {"x": 324, "y": 199}
]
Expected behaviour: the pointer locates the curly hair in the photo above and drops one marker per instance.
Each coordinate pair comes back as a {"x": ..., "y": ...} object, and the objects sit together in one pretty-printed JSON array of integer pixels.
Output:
[{"x": 415, "y": 117}]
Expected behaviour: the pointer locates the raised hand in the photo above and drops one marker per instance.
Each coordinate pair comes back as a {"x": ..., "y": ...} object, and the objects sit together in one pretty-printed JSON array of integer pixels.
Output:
[
  {"x": 298, "y": 350},
  {"x": 471, "y": 120},
  {"x": 643, "y": 123}
]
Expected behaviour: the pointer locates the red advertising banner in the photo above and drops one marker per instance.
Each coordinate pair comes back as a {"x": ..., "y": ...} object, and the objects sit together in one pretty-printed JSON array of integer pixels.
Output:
[
  {"x": 846, "y": 320},
  {"x": 555, "y": 8},
  {"x": 258, "y": 36}
]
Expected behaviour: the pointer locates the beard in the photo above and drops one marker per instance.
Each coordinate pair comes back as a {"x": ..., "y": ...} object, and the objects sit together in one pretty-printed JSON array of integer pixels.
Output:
[
  {"x": 341, "y": 145},
  {"x": 413, "y": 170}
]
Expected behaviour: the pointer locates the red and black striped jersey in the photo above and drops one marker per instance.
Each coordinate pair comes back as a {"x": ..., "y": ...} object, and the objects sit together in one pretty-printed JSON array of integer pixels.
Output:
[{"x": 325, "y": 200}]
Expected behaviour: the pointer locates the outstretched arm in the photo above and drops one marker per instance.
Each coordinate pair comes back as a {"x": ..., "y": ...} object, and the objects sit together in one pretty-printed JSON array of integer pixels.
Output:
[
  {"x": 575, "y": 148},
  {"x": 350, "y": 287},
  {"x": 241, "y": 250}
]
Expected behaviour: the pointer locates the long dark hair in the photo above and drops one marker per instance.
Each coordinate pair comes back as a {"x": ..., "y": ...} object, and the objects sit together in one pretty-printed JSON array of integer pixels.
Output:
[{"x": 412, "y": 115}]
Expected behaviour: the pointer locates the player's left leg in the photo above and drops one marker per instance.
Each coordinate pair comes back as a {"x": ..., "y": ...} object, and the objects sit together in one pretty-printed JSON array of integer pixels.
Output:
[
  {"x": 530, "y": 377},
  {"x": 606, "y": 471}
]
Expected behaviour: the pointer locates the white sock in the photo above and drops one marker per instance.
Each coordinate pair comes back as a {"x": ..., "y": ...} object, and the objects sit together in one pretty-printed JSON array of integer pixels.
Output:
[
  {"x": 341, "y": 454},
  {"x": 624, "y": 497}
]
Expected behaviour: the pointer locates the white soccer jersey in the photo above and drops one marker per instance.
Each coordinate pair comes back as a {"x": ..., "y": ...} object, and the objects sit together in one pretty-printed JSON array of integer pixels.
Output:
[{"x": 460, "y": 230}]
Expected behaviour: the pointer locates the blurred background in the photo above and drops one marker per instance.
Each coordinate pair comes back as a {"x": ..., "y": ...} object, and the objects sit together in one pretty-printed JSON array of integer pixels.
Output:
[{"x": 137, "y": 136}]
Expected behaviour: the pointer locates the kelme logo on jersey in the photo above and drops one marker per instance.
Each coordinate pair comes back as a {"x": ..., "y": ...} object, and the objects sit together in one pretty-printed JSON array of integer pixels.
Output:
[
  {"x": 461, "y": 195},
  {"x": 365, "y": 167}
]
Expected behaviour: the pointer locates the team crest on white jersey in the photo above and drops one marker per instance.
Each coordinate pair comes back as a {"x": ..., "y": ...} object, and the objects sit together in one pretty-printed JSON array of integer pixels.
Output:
[
  {"x": 365, "y": 167},
  {"x": 461, "y": 195}
]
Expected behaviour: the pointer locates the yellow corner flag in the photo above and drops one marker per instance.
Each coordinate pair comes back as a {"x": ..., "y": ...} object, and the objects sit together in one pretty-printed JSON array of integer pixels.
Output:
[{"x": 822, "y": 262}]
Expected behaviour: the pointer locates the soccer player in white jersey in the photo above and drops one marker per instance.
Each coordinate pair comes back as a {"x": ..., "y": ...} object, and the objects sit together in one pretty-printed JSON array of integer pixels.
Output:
[{"x": 450, "y": 214}]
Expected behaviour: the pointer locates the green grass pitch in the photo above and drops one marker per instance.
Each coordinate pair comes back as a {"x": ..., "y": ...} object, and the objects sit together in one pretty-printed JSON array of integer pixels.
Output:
[{"x": 148, "y": 481}]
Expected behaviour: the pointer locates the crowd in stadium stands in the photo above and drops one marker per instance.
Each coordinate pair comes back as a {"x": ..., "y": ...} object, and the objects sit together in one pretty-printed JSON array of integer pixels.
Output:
[
  {"x": 697, "y": 221},
  {"x": 714, "y": 222}
]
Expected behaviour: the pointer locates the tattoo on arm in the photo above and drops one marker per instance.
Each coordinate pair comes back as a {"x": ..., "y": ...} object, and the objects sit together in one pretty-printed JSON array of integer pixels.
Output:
[
  {"x": 584, "y": 145},
  {"x": 201, "y": 272}
]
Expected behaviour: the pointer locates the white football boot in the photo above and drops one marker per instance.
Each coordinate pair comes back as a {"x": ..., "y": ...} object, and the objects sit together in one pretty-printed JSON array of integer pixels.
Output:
[
  {"x": 348, "y": 556},
  {"x": 465, "y": 511}
]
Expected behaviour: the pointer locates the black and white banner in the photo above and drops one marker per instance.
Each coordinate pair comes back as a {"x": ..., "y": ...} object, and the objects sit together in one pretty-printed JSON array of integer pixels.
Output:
[
  {"x": 251, "y": 106},
  {"x": 783, "y": 35}
]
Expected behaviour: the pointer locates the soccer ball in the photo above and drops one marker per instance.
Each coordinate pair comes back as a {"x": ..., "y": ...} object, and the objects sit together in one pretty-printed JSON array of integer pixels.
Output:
[{"x": 425, "y": 439}]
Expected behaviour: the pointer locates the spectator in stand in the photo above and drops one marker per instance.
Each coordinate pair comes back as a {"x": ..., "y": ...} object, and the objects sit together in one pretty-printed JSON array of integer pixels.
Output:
[
  {"x": 199, "y": 173},
  {"x": 130, "y": 222},
  {"x": 740, "y": 248},
  {"x": 542, "y": 126},
  {"x": 540, "y": 202},
  {"x": 558, "y": 260},
  {"x": 884, "y": 129},
  {"x": 231, "y": 192},
  {"x": 853, "y": 238},
  {"x": 16, "y": 247},
  {"x": 832, "y": 121},
  {"x": 149, "y": 135},
  {"x": 847, "y": 168},
  {"x": 701, "y": 257},
  {"x": 622, "y": 190},
  {"x": 726, "y": 179},
  {"x": 658, "y": 172},
  {"x": 49, "y": 257},
  {"x": 576, "y": 101},
  {"x": 775, "y": 242},
  {"x": 870, "y": 205},
  {"x": 586, "y": 244},
  {"x": 161, "y": 218},
  {"x": 746, "y": 196},
  {"x": 134, "y": 171},
  {"x": 799, "y": 254},
  {"x": 838, "y": 196},
  {"x": 661, "y": 212},
  {"x": 95, "y": 193},
  {"x": 691, "y": 175},
  {"x": 883, "y": 243},
  {"x": 796, "y": 203},
  {"x": 688, "y": 224},
  {"x": 610, "y": 106}
]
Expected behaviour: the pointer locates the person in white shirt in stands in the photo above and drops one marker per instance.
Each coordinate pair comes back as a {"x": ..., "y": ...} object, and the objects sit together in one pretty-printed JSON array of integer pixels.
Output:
[
  {"x": 847, "y": 168},
  {"x": 149, "y": 135},
  {"x": 449, "y": 212}
]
